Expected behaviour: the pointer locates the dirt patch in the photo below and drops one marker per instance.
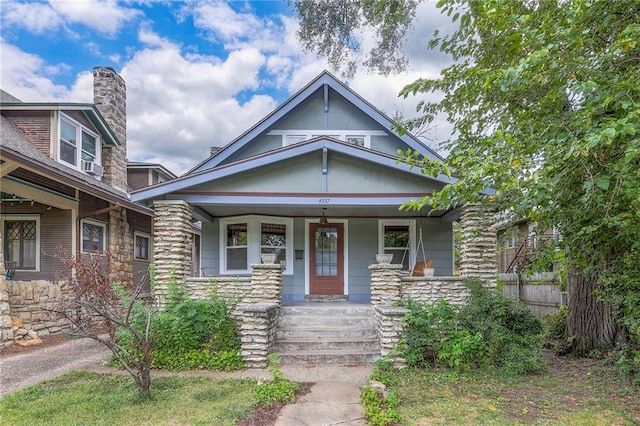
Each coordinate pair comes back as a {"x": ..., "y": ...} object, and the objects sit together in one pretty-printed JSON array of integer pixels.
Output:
[
  {"x": 577, "y": 383},
  {"x": 47, "y": 342},
  {"x": 266, "y": 416}
]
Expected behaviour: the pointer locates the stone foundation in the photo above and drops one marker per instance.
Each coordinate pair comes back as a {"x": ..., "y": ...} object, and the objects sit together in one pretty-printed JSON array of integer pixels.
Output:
[{"x": 30, "y": 302}]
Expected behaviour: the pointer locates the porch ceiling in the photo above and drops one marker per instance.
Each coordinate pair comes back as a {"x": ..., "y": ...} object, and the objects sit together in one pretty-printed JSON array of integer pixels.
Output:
[{"x": 312, "y": 211}]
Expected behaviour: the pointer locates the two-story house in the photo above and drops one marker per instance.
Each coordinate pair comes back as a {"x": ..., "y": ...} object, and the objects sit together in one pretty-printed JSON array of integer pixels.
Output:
[{"x": 63, "y": 171}]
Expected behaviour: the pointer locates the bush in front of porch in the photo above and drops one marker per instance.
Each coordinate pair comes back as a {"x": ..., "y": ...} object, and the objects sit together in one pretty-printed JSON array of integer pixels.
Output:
[
  {"x": 195, "y": 334},
  {"x": 489, "y": 331}
]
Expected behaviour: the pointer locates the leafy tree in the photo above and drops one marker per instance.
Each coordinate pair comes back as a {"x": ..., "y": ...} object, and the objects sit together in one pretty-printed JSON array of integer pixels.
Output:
[
  {"x": 94, "y": 300},
  {"x": 334, "y": 28},
  {"x": 544, "y": 97}
]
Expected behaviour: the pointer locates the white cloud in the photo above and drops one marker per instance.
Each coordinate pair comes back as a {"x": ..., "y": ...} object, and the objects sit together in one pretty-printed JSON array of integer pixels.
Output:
[
  {"x": 37, "y": 18},
  {"x": 104, "y": 16},
  {"x": 28, "y": 77},
  {"x": 181, "y": 105}
]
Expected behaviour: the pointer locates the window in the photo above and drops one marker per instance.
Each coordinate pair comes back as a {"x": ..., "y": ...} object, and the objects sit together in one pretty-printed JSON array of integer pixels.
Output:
[
  {"x": 510, "y": 240},
  {"x": 353, "y": 136},
  {"x": 78, "y": 144},
  {"x": 273, "y": 239},
  {"x": 237, "y": 239},
  {"x": 246, "y": 238},
  {"x": 142, "y": 245},
  {"x": 93, "y": 236},
  {"x": 356, "y": 140},
  {"x": 397, "y": 237},
  {"x": 21, "y": 242}
]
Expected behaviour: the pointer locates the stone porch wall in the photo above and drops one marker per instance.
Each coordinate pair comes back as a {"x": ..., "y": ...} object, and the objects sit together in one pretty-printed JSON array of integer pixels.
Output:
[
  {"x": 256, "y": 301},
  {"x": 31, "y": 302}
]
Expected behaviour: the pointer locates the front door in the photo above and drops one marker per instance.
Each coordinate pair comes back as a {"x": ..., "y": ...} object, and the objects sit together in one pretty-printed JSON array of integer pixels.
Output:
[{"x": 327, "y": 259}]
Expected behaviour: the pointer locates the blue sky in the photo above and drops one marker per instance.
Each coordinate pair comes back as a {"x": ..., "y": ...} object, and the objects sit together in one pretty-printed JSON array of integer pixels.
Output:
[{"x": 198, "y": 73}]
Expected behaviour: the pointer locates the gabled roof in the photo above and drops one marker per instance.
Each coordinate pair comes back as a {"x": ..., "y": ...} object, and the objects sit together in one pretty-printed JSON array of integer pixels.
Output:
[
  {"x": 10, "y": 103},
  {"x": 155, "y": 166},
  {"x": 16, "y": 147},
  {"x": 270, "y": 157},
  {"x": 325, "y": 78}
]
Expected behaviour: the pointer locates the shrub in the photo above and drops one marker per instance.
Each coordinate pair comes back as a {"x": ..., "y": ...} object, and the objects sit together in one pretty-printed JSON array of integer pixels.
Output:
[
  {"x": 380, "y": 410},
  {"x": 490, "y": 330},
  {"x": 194, "y": 334},
  {"x": 557, "y": 323},
  {"x": 278, "y": 389}
]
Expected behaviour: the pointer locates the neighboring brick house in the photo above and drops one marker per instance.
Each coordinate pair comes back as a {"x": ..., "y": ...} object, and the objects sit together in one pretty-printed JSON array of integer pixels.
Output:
[{"x": 64, "y": 182}]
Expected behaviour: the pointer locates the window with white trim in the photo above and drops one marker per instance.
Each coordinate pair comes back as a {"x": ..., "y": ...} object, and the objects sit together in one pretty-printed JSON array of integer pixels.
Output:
[
  {"x": 142, "y": 246},
  {"x": 357, "y": 137},
  {"x": 22, "y": 241},
  {"x": 398, "y": 237},
  {"x": 245, "y": 238},
  {"x": 294, "y": 139},
  {"x": 273, "y": 240},
  {"x": 94, "y": 236},
  {"x": 77, "y": 144}
]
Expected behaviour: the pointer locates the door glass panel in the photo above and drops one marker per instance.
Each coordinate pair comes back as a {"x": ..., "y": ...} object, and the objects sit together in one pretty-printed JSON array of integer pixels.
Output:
[{"x": 326, "y": 244}]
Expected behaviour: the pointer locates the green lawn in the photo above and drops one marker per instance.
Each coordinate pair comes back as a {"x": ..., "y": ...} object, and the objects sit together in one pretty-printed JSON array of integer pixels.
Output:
[
  {"x": 83, "y": 398},
  {"x": 578, "y": 392}
]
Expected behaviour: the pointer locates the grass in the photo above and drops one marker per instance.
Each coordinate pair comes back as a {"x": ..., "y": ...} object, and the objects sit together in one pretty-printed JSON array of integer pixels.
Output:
[
  {"x": 83, "y": 398},
  {"x": 578, "y": 392}
]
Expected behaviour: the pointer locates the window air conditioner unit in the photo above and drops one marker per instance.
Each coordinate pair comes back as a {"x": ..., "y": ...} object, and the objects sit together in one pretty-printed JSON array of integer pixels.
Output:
[{"x": 92, "y": 168}]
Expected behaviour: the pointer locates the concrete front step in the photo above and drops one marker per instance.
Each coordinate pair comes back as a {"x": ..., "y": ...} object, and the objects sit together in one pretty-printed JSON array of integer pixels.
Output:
[
  {"x": 331, "y": 343},
  {"x": 328, "y": 332},
  {"x": 330, "y": 320},
  {"x": 330, "y": 357},
  {"x": 328, "y": 309},
  {"x": 324, "y": 332}
]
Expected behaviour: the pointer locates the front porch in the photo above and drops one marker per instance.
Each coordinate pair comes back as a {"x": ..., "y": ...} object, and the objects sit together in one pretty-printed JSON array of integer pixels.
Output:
[{"x": 258, "y": 302}]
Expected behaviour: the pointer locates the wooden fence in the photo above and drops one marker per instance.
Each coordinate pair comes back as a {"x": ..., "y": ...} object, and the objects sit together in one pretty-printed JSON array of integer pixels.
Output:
[{"x": 540, "y": 292}]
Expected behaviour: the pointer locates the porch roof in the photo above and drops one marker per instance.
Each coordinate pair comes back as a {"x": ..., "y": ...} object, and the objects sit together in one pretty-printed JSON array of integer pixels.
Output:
[{"x": 225, "y": 203}]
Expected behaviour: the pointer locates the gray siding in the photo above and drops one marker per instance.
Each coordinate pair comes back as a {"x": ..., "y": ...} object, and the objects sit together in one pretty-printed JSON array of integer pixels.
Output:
[
  {"x": 343, "y": 115},
  {"x": 304, "y": 175},
  {"x": 437, "y": 236},
  {"x": 363, "y": 246},
  {"x": 259, "y": 145},
  {"x": 55, "y": 229},
  {"x": 210, "y": 248},
  {"x": 387, "y": 144}
]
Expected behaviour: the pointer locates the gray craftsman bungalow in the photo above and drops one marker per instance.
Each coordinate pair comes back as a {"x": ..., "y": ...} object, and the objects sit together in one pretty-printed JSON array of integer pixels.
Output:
[{"x": 317, "y": 183}]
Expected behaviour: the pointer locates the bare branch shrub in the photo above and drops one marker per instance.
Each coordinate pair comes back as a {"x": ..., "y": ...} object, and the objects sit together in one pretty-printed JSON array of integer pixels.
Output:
[{"x": 95, "y": 300}]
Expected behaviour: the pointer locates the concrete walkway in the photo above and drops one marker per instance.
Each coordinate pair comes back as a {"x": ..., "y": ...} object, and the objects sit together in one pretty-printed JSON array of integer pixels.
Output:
[{"x": 332, "y": 400}]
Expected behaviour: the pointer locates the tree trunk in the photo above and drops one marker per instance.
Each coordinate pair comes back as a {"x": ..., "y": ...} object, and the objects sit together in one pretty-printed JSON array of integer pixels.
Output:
[{"x": 590, "y": 325}]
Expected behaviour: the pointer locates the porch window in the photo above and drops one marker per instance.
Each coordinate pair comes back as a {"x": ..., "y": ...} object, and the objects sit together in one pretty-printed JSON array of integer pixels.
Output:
[
  {"x": 237, "y": 239},
  {"x": 273, "y": 239},
  {"x": 21, "y": 242},
  {"x": 142, "y": 245},
  {"x": 397, "y": 237},
  {"x": 94, "y": 236},
  {"x": 294, "y": 139},
  {"x": 246, "y": 238}
]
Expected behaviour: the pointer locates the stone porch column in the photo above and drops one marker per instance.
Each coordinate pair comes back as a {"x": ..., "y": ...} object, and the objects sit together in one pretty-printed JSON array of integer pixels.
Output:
[
  {"x": 120, "y": 247},
  {"x": 6, "y": 332},
  {"x": 478, "y": 248},
  {"x": 266, "y": 283},
  {"x": 172, "y": 242},
  {"x": 386, "y": 289}
]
